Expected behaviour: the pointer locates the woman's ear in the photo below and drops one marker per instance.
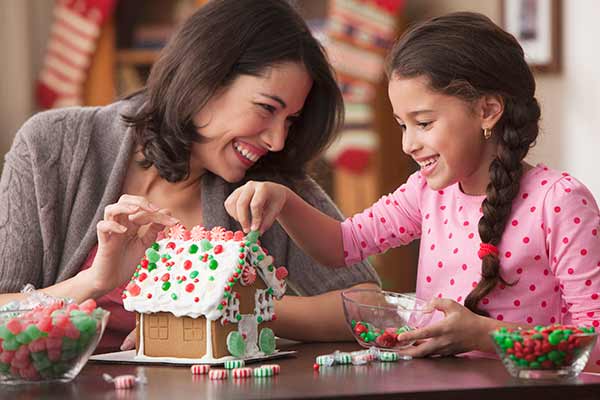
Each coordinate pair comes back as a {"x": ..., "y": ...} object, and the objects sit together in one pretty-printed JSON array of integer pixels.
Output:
[{"x": 492, "y": 107}]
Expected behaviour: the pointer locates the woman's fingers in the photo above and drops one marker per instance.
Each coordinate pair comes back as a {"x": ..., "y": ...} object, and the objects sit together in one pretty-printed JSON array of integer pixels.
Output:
[
  {"x": 106, "y": 228},
  {"x": 243, "y": 207},
  {"x": 141, "y": 218},
  {"x": 231, "y": 203}
]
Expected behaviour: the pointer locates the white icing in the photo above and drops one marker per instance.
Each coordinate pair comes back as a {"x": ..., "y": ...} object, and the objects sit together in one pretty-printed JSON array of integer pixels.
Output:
[
  {"x": 232, "y": 310},
  {"x": 264, "y": 305},
  {"x": 209, "y": 347},
  {"x": 141, "y": 333},
  {"x": 248, "y": 326}
]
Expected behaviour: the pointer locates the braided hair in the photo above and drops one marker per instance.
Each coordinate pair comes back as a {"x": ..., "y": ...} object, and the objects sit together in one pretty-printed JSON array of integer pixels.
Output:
[{"x": 467, "y": 56}]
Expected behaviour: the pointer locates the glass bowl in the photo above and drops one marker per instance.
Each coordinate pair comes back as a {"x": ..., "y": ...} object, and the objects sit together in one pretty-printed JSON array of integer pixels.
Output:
[
  {"x": 553, "y": 351},
  {"x": 48, "y": 343},
  {"x": 376, "y": 317}
]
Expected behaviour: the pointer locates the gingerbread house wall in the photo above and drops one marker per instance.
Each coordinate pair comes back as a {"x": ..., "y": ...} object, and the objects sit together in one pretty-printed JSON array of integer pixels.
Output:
[{"x": 166, "y": 335}]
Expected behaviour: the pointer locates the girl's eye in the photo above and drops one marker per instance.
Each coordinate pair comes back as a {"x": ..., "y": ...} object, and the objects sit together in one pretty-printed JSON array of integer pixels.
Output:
[
  {"x": 402, "y": 127},
  {"x": 423, "y": 125}
]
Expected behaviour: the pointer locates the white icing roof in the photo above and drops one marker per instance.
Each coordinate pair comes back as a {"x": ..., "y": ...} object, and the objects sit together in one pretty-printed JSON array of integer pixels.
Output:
[{"x": 187, "y": 272}]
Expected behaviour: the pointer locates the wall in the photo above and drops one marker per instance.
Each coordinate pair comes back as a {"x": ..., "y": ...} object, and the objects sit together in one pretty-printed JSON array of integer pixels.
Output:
[{"x": 24, "y": 27}]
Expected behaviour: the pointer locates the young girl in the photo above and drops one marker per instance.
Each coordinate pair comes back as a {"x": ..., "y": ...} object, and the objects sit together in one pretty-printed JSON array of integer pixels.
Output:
[{"x": 503, "y": 243}]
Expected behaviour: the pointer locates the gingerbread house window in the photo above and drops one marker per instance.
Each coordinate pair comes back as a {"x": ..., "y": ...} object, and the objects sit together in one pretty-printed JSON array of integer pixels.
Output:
[
  {"x": 192, "y": 329},
  {"x": 232, "y": 310},
  {"x": 264, "y": 306},
  {"x": 158, "y": 327}
]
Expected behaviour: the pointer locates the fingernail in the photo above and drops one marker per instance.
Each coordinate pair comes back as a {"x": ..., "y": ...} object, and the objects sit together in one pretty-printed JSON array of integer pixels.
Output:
[{"x": 153, "y": 207}]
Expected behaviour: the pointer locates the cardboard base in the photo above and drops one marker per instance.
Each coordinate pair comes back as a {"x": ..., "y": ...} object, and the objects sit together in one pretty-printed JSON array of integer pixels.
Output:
[{"x": 128, "y": 357}]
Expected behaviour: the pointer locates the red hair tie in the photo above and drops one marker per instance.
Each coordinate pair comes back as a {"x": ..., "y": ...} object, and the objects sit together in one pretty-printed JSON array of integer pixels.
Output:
[{"x": 487, "y": 249}]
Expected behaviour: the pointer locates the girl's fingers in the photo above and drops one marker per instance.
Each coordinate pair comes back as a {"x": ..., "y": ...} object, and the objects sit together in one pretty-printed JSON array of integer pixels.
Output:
[{"x": 129, "y": 342}]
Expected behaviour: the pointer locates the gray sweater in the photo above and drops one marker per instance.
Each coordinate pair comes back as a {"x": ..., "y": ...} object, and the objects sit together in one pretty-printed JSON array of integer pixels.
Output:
[{"x": 65, "y": 166}]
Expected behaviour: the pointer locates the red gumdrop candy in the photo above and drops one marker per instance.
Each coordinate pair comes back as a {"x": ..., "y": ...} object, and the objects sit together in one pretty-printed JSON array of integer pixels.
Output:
[
  {"x": 71, "y": 307},
  {"x": 88, "y": 306},
  {"x": 30, "y": 373},
  {"x": 56, "y": 332},
  {"x": 54, "y": 354},
  {"x": 53, "y": 344},
  {"x": 360, "y": 328},
  {"x": 238, "y": 235},
  {"x": 61, "y": 320},
  {"x": 20, "y": 363},
  {"x": 281, "y": 273},
  {"x": 7, "y": 356},
  {"x": 22, "y": 353},
  {"x": 14, "y": 326},
  {"x": 72, "y": 332},
  {"x": 45, "y": 324},
  {"x": 386, "y": 340},
  {"x": 37, "y": 345}
]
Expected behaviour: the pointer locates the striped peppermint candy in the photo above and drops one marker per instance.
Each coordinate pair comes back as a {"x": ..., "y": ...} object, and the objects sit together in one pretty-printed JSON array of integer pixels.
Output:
[
  {"x": 231, "y": 364},
  {"x": 245, "y": 372},
  {"x": 275, "y": 367},
  {"x": 217, "y": 374},
  {"x": 200, "y": 369}
]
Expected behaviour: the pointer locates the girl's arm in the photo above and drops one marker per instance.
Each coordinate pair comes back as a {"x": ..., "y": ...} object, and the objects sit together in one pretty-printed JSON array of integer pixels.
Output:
[
  {"x": 256, "y": 205},
  {"x": 324, "y": 322}
]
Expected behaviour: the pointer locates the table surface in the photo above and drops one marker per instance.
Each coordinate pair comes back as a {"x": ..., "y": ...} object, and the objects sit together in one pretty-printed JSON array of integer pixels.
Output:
[{"x": 441, "y": 378}]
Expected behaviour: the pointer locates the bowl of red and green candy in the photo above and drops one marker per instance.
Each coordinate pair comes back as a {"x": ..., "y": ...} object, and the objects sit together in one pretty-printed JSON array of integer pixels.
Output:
[
  {"x": 376, "y": 317},
  {"x": 545, "y": 352},
  {"x": 50, "y": 342}
]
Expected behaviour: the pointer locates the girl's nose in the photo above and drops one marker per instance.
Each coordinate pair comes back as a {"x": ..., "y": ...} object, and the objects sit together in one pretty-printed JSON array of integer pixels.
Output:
[{"x": 410, "y": 144}]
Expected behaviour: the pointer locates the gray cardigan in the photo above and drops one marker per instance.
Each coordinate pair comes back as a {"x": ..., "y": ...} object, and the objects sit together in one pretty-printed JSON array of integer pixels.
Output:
[{"x": 65, "y": 166}]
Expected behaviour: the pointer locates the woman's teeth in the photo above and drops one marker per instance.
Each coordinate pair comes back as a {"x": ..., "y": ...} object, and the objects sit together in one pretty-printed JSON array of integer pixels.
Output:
[
  {"x": 428, "y": 162},
  {"x": 246, "y": 153}
]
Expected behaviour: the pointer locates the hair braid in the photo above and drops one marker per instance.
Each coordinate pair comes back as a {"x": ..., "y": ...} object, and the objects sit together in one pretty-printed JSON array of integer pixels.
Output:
[{"x": 516, "y": 133}]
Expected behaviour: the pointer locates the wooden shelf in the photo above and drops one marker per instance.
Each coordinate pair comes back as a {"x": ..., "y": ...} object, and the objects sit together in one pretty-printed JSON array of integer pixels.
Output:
[{"x": 137, "y": 56}]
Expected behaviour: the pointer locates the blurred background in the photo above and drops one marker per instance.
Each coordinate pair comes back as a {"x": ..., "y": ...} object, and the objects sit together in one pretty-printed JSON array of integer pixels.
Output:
[{"x": 91, "y": 52}]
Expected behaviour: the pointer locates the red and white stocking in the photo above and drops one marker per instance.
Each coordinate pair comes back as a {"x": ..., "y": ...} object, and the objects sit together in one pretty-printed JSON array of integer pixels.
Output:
[{"x": 73, "y": 39}]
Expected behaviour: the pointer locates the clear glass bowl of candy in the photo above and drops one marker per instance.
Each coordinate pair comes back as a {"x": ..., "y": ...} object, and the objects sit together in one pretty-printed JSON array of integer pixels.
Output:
[
  {"x": 376, "y": 317},
  {"x": 545, "y": 352},
  {"x": 50, "y": 342}
]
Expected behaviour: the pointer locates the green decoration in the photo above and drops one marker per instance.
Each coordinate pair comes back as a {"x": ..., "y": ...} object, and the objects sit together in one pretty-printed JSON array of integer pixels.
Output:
[
  {"x": 253, "y": 236},
  {"x": 155, "y": 246},
  {"x": 193, "y": 274},
  {"x": 236, "y": 344},
  {"x": 152, "y": 255},
  {"x": 213, "y": 264},
  {"x": 193, "y": 249},
  {"x": 151, "y": 267},
  {"x": 205, "y": 244},
  {"x": 166, "y": 286},
  {"x": 266, "y": 341}
]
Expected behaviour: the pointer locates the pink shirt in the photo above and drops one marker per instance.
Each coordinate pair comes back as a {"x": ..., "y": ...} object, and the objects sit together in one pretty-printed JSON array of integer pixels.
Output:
[
  {"x": 120, "y": 322},
  {"x": 550, "y": 246}
]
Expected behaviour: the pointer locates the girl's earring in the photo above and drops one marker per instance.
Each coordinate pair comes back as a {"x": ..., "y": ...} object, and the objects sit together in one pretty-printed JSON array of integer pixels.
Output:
[{"x": 487, "y": 133}]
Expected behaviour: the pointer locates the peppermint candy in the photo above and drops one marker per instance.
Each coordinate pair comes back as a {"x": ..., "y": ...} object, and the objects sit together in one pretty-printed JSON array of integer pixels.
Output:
[
  {"x": 218, "y": 374},
  {"x": 200, "y": 369},
  {"x": 242, "y": 372},
  {"x": 248, "y": 275}
]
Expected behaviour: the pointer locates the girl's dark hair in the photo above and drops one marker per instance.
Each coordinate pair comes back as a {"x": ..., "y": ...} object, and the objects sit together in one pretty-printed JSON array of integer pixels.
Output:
[
  {"x": 467, "y": 56},
  {"x": 219, "y": 42}
]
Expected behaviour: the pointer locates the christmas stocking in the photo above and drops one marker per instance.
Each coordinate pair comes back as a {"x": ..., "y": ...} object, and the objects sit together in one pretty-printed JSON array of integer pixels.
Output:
[
  {"x": 359, "y": 34},
  {"x": 73, "y": 38}
]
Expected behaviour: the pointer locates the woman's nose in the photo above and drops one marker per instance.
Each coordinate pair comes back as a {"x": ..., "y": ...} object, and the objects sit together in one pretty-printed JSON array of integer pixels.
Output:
[{"x": 274, "y": 137}]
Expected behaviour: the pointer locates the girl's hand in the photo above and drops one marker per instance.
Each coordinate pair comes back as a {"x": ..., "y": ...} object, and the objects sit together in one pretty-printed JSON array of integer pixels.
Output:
[
  {"x": 129, "y": 342},
  {"x": 256, "y": 205},
  {"x": 129, "y": 227},
  {"x": 460, "y": 331}
]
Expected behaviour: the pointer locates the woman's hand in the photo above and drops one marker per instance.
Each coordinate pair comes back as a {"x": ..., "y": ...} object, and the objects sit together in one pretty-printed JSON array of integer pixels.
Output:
[
  {"x": 460, "y": 331},
  {"x": 129, "y": 227},
  {"x": 256, "y": 205}
]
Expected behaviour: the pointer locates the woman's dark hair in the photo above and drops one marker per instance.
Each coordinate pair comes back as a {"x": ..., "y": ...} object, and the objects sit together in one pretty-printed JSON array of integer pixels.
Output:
[
  {"x": 467, "y": 56},
  {"x": 221, "y": 41}
]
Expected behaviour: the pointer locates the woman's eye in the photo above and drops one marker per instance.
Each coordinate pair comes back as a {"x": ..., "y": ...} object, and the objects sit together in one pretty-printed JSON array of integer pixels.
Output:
[
  {"x": 268, "y": 107},
  {"x": 292, "y": 119}
]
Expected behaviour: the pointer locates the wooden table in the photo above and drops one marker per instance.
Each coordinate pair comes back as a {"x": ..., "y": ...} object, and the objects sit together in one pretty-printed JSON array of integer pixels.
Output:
[{"x": 444, "y": 378}]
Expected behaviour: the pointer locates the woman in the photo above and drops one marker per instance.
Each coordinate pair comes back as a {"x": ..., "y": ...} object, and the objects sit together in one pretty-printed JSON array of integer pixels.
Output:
[{"x": 242, "y": 91}]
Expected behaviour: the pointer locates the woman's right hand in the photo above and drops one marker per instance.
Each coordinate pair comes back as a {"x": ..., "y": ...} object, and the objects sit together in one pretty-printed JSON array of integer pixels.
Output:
[
  {"x": 129, "y": 227},
  {"x": 256, "y": 205}
]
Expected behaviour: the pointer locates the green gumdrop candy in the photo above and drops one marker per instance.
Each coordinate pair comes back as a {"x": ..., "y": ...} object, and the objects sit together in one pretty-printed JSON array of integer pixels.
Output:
[
  {"x": 266, "y": 341},
  {"x": 42, "y": 364},
  {"x": 253, "y": 236},
  {"x": 236, "y": 344},
  {"x": 4, "y": 368},
  {"x": 34, "y": 332},
  {"x": 98, "y": 313},
  {"x": 5, "y": 333},
  {"x": 69, "y": 344},
  {"x": 60, "y": 368},
  {"x": 77, "y": 314},
  {"x": 69, "y": 354},
  {"x": 205, "y": 244},
  {"x": 152, "y": 255},
  {"x": 84, "y": 324},
  {"x": 23, "y": 338},
  {"x": 11, "y": 344}
]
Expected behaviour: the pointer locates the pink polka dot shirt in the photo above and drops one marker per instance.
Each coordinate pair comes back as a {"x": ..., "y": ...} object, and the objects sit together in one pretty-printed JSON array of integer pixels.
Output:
[{"x": 550, "y": 248}]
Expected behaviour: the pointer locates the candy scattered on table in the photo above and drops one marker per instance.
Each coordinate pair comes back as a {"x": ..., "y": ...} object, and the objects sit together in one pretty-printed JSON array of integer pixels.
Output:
[
  {"x": 543, "y": 348},
  {"x": 361, "y": 357},
  {"x": 218, "y": 374},
  {"x": 385, "y": 338},
  {"x": 231, "y": 364},
  {"x": 48, "y": 340},
  {"x": 125, "y": 381},
  {"x": 244, "y": 372},
  {"x": 200, "y": 369}
]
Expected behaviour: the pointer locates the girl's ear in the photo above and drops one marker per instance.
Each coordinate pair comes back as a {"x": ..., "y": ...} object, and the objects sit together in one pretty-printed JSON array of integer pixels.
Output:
[{"x": 492, "y": 107}]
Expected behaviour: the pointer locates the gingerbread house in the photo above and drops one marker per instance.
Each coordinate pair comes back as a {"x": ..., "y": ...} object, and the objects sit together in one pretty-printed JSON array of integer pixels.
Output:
[{"x": 204, "y": 296}]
